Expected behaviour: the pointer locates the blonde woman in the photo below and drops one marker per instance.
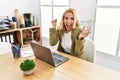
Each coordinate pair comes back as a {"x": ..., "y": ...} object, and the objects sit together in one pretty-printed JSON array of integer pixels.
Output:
[{"x": 69, "y": 34}]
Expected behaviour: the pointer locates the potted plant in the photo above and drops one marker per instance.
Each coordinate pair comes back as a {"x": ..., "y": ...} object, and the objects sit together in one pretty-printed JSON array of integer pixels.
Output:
[
  {"x": 27, "y": 66},
  {"x": 25, "y": 40}
]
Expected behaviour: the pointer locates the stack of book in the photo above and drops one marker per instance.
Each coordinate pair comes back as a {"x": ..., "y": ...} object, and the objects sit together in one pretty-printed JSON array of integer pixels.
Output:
[{"x": 5, "y": 23}]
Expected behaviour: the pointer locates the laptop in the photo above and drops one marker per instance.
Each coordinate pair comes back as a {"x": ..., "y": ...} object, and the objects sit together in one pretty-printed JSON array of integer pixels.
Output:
[{"x": 45, "y": 54}]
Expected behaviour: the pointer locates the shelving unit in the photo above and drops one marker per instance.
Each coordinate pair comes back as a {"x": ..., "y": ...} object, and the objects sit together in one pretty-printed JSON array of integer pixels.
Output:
[{"x": 20, "y": 33}]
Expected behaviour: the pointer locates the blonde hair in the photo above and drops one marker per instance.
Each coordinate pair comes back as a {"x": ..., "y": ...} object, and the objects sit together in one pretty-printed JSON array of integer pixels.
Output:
[{"x": 76, "y": 20}]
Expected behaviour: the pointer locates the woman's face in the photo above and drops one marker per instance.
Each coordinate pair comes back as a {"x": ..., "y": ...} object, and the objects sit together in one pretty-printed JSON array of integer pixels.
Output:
[{"x": 68, "y": 21}]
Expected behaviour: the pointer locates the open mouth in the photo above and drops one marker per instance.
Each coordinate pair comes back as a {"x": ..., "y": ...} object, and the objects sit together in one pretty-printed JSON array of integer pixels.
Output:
[{"x": 68, "y": 25}]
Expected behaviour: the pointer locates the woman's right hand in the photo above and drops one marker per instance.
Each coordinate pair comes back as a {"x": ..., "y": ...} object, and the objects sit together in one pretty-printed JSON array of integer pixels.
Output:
[{"x": 54, "y": 23}]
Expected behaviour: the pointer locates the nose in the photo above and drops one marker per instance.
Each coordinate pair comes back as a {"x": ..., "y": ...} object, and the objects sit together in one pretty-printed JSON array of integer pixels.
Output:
[{"x": 69, "y": 20}]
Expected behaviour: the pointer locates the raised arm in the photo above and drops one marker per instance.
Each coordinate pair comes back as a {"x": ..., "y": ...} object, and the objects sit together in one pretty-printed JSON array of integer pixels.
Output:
[{"x": 54, "y": 36}]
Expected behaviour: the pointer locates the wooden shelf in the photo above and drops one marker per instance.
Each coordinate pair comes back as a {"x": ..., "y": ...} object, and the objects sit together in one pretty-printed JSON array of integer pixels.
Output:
[{"x": 20, "y": 33}]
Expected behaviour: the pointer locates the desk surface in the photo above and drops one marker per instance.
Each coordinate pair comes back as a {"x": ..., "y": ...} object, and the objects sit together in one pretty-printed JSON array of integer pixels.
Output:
[{"x": 73, "y": 69}]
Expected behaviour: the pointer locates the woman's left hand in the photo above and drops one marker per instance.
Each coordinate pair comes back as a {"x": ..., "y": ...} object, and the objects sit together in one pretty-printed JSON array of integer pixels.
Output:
[{"x": 84, "y": 33}]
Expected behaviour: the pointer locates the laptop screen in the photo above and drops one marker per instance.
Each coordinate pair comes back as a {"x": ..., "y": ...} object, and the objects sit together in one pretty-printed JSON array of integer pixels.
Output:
[
  {"x": 42, "y": 53},
  {"x": 45, "y": 55}
]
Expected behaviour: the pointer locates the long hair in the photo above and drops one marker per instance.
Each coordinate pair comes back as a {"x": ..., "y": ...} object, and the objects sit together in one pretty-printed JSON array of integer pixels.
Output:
[{"x": 76, "y": 20}]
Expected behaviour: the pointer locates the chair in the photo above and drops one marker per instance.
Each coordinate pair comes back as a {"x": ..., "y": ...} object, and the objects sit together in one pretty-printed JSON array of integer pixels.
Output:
[
  {"x": 5, "y": 47},
  {"x": 89, "y": 50}
]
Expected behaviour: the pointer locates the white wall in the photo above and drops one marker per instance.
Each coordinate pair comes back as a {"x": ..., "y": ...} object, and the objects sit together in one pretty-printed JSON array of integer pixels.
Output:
[
  {"x": 7, "y": 7},
  {"x": 85, "y": 8}
]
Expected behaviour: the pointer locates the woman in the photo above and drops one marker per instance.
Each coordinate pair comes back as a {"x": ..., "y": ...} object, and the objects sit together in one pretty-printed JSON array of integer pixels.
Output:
[{"x": 69, "y": 34}]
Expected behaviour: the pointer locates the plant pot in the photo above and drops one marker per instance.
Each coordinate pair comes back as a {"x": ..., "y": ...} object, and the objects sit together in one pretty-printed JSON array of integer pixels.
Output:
[
  {"x": 26, "y": 42},
  {"x": 27, "y": 66},
  {"x": 28, "y": 72}
]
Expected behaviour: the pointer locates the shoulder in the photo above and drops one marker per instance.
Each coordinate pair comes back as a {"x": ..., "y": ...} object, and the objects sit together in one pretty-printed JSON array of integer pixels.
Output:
[{"x": 77, "y": 29}]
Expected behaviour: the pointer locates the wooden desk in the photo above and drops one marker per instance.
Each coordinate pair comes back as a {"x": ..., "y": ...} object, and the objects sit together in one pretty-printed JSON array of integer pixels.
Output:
[{"x": 73, "y": 69}]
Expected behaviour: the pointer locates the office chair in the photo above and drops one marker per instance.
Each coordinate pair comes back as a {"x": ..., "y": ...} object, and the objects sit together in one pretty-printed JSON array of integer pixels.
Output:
[
  {"x": 5, "y": 47},
  {"x": 89, "y": 49}
]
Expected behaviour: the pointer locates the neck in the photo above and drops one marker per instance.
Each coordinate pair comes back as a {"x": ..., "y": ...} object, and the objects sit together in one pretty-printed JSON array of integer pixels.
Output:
[{"x": 67, "y": 31}]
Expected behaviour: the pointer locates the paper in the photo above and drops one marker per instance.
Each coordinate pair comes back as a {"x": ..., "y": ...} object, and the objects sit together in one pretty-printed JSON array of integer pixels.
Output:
[{"x": 27, "y": 53}]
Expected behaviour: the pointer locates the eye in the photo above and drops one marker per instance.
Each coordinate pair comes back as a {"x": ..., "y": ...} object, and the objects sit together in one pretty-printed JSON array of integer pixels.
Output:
[
  {"x": 72, "y": 18},
  {"x": 66, "y": 18}
]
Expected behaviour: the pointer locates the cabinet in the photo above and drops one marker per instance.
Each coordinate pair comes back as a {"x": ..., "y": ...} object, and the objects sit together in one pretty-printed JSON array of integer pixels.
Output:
[{"x": 20, "y": 33}]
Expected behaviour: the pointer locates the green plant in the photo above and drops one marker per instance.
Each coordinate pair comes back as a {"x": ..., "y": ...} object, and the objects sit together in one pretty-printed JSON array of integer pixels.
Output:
[
  {"x": 25, "y": 39},
  {"x": 27, "y": 65}
]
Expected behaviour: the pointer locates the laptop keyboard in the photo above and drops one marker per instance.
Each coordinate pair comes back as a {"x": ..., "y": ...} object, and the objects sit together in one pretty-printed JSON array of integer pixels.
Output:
[
  {"x": 56, "y": 55},
  {"x": 56, "y": 61},
  {"x": 59, "y": 57}
]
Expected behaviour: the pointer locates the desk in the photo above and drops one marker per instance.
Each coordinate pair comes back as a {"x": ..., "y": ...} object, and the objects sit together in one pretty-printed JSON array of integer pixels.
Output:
[{"x": 73, "y": 69}]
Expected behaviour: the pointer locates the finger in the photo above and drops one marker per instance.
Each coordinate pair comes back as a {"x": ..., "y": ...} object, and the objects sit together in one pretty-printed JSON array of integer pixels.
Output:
[
  {"x": 52, "y": 21},
  {"x": 55, "y": 20},
  {"x": 89, "y": 28},
  {"x": 83, "y": 27},
  {"x": 89, "y": 31},
  {"x": 86, "y": 32}
]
